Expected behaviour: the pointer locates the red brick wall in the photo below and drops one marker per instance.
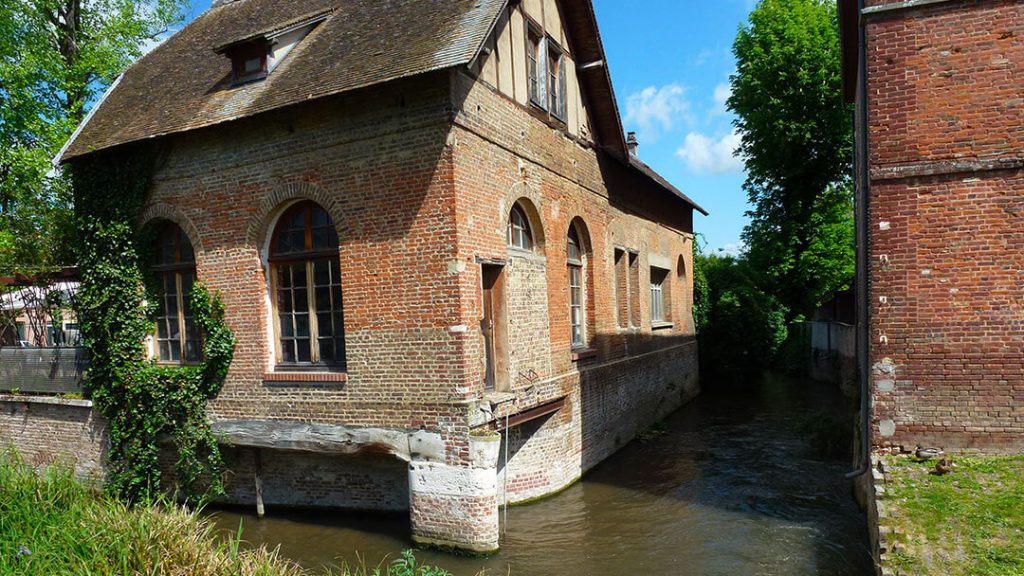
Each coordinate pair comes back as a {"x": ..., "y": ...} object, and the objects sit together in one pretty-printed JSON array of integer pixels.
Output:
[
  {"x": 378, "y": 162},
  {"x": 298, "y": 479},
  {"x": 419, "y": 176},
  {"x": 46, "y": 430},
  {"x": 946, "y": 140},
  {"x": 637, "y": 374}
]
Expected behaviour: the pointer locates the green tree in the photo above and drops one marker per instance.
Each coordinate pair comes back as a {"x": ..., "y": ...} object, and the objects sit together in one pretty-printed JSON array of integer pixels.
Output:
[
  {"x": 745, "y": 325},
  {"x": 797, "y": 145},
  {"x": 56, "y": 58}
]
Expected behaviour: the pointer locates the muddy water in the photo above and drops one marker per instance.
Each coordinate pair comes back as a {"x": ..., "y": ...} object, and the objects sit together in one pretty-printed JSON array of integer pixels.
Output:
[{"x": 731, "y": 488}]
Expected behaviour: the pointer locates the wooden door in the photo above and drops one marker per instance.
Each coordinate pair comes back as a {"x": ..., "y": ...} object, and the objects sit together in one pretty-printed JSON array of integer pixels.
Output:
[{"x": 492, "y": 324}]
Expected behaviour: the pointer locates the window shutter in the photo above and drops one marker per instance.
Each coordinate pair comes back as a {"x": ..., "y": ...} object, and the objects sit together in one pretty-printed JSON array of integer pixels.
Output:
[
  {"x": 542, "y": 72},
  {"x": 561, "y": 90}
]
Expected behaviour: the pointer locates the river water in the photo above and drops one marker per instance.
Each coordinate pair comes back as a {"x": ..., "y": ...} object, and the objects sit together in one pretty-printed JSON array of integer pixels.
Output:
[{"x": 731, "y": 487}]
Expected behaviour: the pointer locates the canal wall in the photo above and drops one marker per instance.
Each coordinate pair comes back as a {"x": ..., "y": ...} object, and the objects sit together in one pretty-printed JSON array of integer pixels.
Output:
[
  {"x": 307, "y": 480},
  {"x": 609, "y": 404},
  {"x": 46, "y": 429}
]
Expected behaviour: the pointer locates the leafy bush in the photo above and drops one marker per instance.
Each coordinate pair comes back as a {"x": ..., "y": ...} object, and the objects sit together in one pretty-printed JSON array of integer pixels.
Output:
[
  {"x": 745, "y": 324},
  {"x": 50, "y": 523}
]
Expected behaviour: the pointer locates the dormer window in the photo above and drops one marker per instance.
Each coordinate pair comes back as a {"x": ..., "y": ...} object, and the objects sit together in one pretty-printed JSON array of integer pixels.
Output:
[
  {"x": 248, "y": 60},
  {"x": 256, "y": 56}
]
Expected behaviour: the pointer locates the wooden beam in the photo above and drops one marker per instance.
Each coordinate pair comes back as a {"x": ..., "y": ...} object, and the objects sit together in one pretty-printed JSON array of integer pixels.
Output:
[
  {"x": 259, "y": 482},
  {"x": 330, "y": 439},
  {"x": 531, "y": 414}
]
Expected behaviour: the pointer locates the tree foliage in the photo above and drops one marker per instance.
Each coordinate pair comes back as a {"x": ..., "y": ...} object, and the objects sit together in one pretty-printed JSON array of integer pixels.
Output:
[
  {"x": 56, "y": 58},
  {"x": 745, "y": 324},
  {"x": 797, "y": 145}
]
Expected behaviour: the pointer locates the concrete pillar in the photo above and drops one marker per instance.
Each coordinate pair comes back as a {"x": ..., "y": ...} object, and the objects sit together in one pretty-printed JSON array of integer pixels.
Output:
[{"x": 456, "y": 505}]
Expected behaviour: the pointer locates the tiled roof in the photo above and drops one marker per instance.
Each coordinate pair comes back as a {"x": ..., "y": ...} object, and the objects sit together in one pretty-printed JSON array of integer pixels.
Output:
[{"x": 184, "y": 84}]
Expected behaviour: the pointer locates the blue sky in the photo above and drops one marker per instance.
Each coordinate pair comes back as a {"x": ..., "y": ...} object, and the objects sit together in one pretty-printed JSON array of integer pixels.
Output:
[{"x": 670, "y": 62}]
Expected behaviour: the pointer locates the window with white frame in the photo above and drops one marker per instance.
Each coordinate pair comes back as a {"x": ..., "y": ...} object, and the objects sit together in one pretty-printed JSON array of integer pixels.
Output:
[
  {"x": 519, "y": 234},
  {"x": 659, "y": 302},
  {"x": 577, "y": 287}
]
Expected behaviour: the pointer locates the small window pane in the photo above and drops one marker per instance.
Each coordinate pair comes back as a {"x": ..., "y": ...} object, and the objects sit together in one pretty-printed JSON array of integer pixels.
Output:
[
  {"x": 302, "y": 325},
  {"x": 301, "y": 299},
  {"x": 302, "y": 353},
  {"x": 321, "y": 273},
  {"x": 287, "y": 351},
  {"x": 323, "y": 298},
  {"x": 326, "y": 349},
  {"x": 519, "y": 229},
  {"x": 193, "y": 351},
  {"x": 324, "y": 324},
  {"x": 298, "y": 275}
]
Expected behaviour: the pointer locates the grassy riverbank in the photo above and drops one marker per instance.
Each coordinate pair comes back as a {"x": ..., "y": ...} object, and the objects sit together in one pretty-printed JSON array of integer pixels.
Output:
[
  {"x": 52, "y": 524},
  {"x": 967, "y": 522}
]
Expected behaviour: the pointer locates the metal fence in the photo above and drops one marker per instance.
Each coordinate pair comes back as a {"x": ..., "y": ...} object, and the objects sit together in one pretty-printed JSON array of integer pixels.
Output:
[{"x": 42, "y": 370}]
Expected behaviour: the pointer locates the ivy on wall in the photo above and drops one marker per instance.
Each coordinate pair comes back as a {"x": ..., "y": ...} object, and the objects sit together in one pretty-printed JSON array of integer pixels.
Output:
[{"x": 143, "y": 403}]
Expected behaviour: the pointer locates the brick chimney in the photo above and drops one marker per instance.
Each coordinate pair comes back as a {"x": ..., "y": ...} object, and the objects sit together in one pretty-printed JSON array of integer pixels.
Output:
[{"x": 631, "y": 143}]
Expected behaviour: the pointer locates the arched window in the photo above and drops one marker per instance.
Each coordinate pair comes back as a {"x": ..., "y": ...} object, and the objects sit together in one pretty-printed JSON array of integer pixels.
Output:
[
  {"x": 577, "y": 287},
  {"x": 174, "y": 265},
  {"x": 306, "y": 285},
  {"x": 519, "y": 233}
]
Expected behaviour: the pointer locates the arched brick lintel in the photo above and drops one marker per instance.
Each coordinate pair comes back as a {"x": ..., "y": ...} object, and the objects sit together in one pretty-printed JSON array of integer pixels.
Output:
[
  {"x": 169, "y": 212},
  {"x": 280, "y": 198}
]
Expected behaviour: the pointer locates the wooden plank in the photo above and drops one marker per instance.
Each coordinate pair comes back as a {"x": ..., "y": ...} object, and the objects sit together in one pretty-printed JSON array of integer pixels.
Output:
[
  {"x": 329, "y": 439},
  {"x": 531, "y": 414},
  {"x": 257, "y": 456}
]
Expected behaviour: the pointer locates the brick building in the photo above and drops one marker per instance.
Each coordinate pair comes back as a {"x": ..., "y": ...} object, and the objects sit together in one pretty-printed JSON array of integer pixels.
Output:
[
  {"x": 455, "y": 173},
  {"x": 940, "y": 122}
]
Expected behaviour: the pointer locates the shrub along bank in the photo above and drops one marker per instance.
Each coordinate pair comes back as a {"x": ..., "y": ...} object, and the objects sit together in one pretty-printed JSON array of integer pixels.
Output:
[{"x": 52, "y": 524}]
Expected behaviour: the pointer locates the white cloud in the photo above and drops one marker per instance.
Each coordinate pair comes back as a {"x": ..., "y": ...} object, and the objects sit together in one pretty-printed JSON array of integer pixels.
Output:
[
  {"x": 654, "y": 110},
  {"x": 722, "y": 93},
  {"x": 734, "y": 249},
  {"x": 703, "y": 56},
  {"x": 707, "y": 155}
]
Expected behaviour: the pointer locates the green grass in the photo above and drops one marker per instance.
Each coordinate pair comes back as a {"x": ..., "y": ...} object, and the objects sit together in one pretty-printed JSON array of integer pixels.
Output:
[
  {"x": 51, "y": 524},
  {"x": 969, "y": 522}
]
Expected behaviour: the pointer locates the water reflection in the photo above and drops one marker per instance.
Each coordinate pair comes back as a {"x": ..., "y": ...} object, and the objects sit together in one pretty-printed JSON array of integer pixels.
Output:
[{"x": 732, "y": 488}]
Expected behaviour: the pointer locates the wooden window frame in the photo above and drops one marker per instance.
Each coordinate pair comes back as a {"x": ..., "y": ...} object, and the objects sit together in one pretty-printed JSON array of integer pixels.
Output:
[
  {"x": 556, "y": 81},
  {"x": 176, "y": 270},
  {"x": 308, "y": 257},
  {"x": 536, "y": 62},
  {"x": 545, "y": 90},
  {"x": 242, "y": 53}
]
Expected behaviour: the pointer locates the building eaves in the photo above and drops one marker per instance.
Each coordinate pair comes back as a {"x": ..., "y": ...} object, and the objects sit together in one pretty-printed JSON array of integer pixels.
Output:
[{"x": 184, "y": 85}]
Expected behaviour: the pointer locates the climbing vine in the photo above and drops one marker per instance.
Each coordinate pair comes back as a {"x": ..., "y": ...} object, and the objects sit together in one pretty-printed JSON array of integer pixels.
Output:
[
  {"x": 144, "y": 404},
  {"x": 701, "y": 291}
]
